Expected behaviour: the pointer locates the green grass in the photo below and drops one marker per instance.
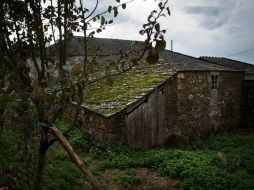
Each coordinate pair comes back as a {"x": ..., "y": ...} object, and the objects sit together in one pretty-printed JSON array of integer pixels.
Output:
[
  {"x": 197, "y": 166},
  {"x": 60, "y": 172}
]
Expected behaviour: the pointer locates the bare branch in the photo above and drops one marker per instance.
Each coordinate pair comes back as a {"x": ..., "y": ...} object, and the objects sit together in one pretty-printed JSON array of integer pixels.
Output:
[
  {"x": 93, "y": 10},
  {"x": 103, "y": 12}
]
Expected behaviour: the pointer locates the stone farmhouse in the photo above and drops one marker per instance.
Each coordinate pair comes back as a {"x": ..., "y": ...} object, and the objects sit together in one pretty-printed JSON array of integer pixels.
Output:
[
  {"x": 169, "y": 103},
  {"x": 247, "y": 105}
]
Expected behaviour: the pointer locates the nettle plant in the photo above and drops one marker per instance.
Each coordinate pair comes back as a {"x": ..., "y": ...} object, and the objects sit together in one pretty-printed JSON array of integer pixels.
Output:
[{"x": 27, "y": 28}]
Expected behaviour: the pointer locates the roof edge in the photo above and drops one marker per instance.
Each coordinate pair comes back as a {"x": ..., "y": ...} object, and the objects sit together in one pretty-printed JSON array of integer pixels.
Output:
[{"x": 201, "y": 57}]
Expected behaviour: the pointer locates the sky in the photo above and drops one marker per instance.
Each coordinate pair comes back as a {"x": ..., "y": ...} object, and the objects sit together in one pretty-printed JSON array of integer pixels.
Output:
[{"x": 220, "y": 28}]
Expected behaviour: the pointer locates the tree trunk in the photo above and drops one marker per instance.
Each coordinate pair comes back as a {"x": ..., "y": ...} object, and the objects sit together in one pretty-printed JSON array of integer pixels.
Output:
[
  {"x": 40, "y": 166},
  {"x": 75, "y": 158}
]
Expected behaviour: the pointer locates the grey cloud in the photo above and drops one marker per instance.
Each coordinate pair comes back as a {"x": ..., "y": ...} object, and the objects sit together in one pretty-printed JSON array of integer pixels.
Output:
[
  {"x": 211, "y": 17},
  {"x": 234, "y": 31},
  {"x": 228, "y": 26},
  {"x": 213, "y": 23},
  {"x": 209, "y": 11}
]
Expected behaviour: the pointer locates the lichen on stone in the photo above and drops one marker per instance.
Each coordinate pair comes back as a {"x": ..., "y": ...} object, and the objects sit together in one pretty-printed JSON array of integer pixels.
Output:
[{"x": 125, "y": 88}]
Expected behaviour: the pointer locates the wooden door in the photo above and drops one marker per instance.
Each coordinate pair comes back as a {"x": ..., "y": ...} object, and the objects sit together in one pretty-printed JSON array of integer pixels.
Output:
[{"x": 146, "y": 126}]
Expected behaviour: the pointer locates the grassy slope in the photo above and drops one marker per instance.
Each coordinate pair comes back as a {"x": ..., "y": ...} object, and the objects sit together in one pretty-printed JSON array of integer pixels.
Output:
[{"x": 196, "y": 166}]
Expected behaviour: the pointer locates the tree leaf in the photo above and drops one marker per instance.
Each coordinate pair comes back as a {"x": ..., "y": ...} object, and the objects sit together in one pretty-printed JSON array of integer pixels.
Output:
[
  {"x": 145, "y": 25},
  {"x": 169, "y": 13},
  {"x": 142, "y": 32},
  {"x": 157, "y": 27},
  {"x": 103, "y": 20},
  {"x": 160, "y": 5},
  {"x": 124, "y": 5},
  {"x": 98, "y": 30},
  {"x": 115, "y": 12},
  {"x": 118, "y": 1},
  {"x": 109, "y": 9},
  {"x": 147, "y": 44},
  {"x": 160, "y": 46},
  {"x": 45, "y": 28},
  {"x": 149, "y": 18},
  {"x": 152, "y": 57}
]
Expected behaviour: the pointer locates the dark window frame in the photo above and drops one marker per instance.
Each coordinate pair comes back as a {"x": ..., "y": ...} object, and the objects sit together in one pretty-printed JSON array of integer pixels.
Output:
[{"x": 214, "y": 82}]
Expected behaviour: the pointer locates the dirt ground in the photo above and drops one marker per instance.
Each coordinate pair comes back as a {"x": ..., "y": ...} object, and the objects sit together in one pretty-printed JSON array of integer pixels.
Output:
[{"x": 148, "y": 179}]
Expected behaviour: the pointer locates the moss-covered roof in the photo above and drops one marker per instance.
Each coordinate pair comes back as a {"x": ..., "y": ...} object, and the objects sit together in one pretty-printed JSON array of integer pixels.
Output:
[{"x": 107, "y": 97}]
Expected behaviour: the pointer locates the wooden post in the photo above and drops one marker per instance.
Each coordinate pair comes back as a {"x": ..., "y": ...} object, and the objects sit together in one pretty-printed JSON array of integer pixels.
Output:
[{"x": 75, "y": 158}]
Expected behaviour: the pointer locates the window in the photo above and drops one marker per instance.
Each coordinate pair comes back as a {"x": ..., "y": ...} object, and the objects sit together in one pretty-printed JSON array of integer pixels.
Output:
[{"x": 214, "y": 82}]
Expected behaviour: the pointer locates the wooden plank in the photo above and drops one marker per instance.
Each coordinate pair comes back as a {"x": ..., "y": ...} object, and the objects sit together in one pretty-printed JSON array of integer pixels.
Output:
[{"x": 146, "y": 126}]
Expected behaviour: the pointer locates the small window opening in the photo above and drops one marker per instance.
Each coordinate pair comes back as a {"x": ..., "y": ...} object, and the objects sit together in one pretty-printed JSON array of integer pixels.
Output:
[{"x": 214, "y": 82}]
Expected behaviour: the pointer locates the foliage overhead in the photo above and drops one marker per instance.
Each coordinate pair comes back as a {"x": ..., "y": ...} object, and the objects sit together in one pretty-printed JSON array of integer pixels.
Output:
[{"x": 33, "y": 91}]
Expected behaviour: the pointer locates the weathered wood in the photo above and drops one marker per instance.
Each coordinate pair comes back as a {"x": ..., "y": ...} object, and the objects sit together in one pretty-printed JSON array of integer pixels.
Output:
[
  {"x": 146, "y": 126},
  {"x": 75, "y": 158}
]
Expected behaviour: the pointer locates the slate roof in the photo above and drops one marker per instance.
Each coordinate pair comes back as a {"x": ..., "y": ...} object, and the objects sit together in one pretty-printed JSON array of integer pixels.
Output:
[
  {"x": 181, "y": 62},
  {"x": 75, "y": 46},
  {"x": 111, "y": 48},
  {"x": 237, "y": 65},
  {"x": 109, "y": 96}
]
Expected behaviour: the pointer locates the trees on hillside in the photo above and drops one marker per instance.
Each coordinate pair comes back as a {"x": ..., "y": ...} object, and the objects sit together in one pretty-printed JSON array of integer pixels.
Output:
[{"x": 27, "y": 28}]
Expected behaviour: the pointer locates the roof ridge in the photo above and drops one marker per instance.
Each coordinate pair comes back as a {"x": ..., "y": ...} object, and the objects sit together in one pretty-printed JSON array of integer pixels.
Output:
[
  {"x": 105, "y": 38},
  {"x": 211, "y": 57},
  {"x": 190, "y": 56}
]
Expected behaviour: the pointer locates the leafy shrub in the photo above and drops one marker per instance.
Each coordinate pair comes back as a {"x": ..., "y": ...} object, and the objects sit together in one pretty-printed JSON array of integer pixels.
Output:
[
  {"x": 76, "y": 137},
  {"x": 197, "y": 166}
]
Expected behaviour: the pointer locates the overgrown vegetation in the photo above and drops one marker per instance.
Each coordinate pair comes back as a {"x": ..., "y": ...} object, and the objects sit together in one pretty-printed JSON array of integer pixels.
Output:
[
  {"x": 223, "y": 161},
  {"x": 60, "y": 172},
  {"x": 32, "y": 75},
  {"x": 198, "y": 166}
]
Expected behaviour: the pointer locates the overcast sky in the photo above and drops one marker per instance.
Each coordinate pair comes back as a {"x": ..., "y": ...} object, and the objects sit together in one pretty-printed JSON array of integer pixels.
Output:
[{"x": 222, "y": 28}]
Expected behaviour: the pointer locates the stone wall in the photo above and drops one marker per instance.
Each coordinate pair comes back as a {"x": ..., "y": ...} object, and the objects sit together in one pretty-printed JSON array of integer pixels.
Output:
[
  {"x": 192, "y": 110},
  {"x": 201, "y": 110},
  {"x": 99, "y": 128},
  {"x": 105, "y": 129},
  {"x": 171, "y": 110},
  {"x": 247, "y": 119}
]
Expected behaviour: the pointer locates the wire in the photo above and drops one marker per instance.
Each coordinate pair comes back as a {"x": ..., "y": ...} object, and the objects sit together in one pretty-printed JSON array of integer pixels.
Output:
[{"x": 241, "y": 52}]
